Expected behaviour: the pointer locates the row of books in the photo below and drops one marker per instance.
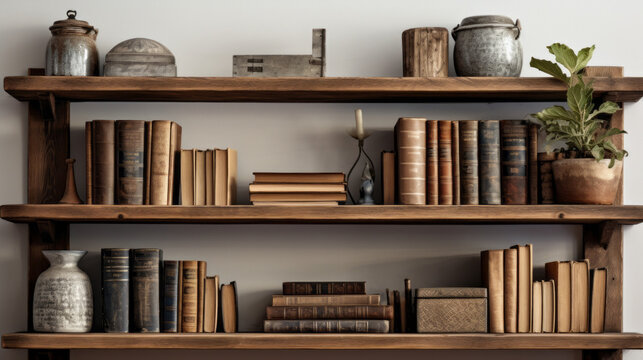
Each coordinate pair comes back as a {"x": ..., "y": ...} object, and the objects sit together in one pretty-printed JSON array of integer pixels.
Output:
[
  {"x": 561, "y": 303},
  {"x": 298, "y": 188},
  {"x": 444, "y": 162},
  {"x": 327, "y": 307},
  {"x": 208, "y": 177},
  {"x": 143, "y": 293}
]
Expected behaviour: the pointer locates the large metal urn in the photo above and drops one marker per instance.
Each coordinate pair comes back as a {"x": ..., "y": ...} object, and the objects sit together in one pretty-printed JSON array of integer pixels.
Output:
[
  {"x": 71, "y": 51},
  {"x": 139, "y": 57}
]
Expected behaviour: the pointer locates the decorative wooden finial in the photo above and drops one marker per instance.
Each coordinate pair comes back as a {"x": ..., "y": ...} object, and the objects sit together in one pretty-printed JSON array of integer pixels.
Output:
[{"x": 71, "y": 194}]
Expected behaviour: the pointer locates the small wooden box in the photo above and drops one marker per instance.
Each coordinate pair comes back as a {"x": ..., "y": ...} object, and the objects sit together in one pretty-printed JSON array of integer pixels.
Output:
[{"x": 451, "y": 310}]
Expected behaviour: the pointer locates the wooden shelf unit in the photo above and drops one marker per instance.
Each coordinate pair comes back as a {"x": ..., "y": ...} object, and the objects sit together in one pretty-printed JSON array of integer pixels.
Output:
[{"x": 48, "y": 146}]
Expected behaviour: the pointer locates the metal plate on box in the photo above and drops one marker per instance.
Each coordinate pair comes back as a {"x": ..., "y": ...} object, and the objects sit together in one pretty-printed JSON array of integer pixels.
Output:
[{"x": 140, "y": 57}]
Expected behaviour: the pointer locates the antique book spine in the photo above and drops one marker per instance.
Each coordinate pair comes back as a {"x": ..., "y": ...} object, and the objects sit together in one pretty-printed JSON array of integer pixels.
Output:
[
  {"x": 201, "y": 273},
  {"x": 489, "y": 148},
  {"x": 469, "y": 162},
  {"x": 397, "y": 312},
  {"x": 115, "y": 289},
  {"x": 88, "y": 163},
  {"x": 231, "y": 179},
  {"x": 560, "y": 273},
  {"x": 513, "y": 156},
  {"x": 145, "y": 265},
  {"x": 580, "y": 291},
  {"x": 493, "y": 279},
  {"x": 324, "y": 288},
  {"x": 148, "y": 163},
  {"x": 130, "y": 151},
  {"x": 179, "y": 300},
  {"x": 189, "y": 296},
  {"x": 510, "y": 263},
  {"x": 330, "y": 312},
  {"x": 160, "y": 162},
  {"x": 445, "y": 163},
  {"x": 294, "y": 300},
  {"x": 455, "y": 156},
  {"x": 525, "y": 285},
  {"x": 174, "y": 163},
  {"x": 432, "y": 163},
  {"x": 170, "y": 295},
  {"x": 103, "y": 155},
  {"x": 546, "y": 178},
  {"x": 388, "y": 178},
  {"x": 326, "y": 326},
  {"x": 533, "y": 164},
  {"x": 408, "y": 307},
  {"x": 411, "y": 152}
]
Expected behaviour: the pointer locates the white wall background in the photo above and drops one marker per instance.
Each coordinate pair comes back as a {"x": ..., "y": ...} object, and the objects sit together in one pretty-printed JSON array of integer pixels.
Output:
[{"x": 363, "y": 39}]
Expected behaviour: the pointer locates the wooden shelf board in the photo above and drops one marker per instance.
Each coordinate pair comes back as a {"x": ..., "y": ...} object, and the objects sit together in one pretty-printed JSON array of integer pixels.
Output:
[
  {"x": 323, "y": 341},
  {"x": 329, "y": 89},
  {"x": 350, "y": 214}
]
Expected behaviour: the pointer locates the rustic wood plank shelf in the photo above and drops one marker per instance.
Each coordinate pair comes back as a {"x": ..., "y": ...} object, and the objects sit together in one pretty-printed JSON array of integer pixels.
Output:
[
  {"x": 378, "y": 214},
  {"x": 329, "y": 89},
  {"x": 324, "y": 341}
]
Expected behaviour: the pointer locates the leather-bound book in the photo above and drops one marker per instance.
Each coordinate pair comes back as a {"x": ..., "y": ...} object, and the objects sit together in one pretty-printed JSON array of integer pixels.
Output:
[
  {"x": 170, "y": 295},
  {"x": 229, "y": 308},
  {"x": 432, "y": 163},
  {"x": 330, "y": 312},
  {"x": 546, "y": 178},
  {"x": 145, "y": 268},
  {"x": 199, "y": 178},
  {"x": 220, "y": 177},
  {"x": 313, "y": 300},
  {"x": 455, "y": 156},
  {"x": 445, "y": 163},
  {"x": 103, "y": 154},
  {"x": 187, "y": 176},
  {"x": 179, "y": 300},
  {"x": 580, "y": 296},
  {"x": 561, "y": 273},
  {"x": 115, "y": 289},
  {"x": 489, "y": 148},
  {"x": 525, "y": 285},
  {"x": 411, "y": 161},
  {"x": 160, "y": 162},
  {"x": 148, "y": 162},
  {"x": 189, "y": 296},
  {"x": 88, "y": 163},
  {"x": 200, "y": 301},
  {"x": 130, "y": 152},
  {"x": 469, "y": 162},
  {"x": 174, "y": 164},
  {"x": 388, "y": 178},
  {"x": 511, "y": 290},
  {"x": 326, "y": 326},
  {"x": 513, "y": 157},
  {"x": 324, "y": 288},
  {"x": 533, "y": 163},
  {"x": 211, "y": 304},
  {"x": 231, "y": 179},
  {"x": 493, "y": 280}
]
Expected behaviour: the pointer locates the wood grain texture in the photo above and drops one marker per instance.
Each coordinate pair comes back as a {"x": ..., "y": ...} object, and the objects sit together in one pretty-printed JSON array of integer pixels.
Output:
[
  {"x": 322, "y": 341},
  {"x": 327, "y": 89},
  {"x": 425, "y": 52}
]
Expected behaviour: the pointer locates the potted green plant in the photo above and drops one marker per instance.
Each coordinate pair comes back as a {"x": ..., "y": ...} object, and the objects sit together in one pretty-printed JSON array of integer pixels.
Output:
[{"x": 592, "y": 167}]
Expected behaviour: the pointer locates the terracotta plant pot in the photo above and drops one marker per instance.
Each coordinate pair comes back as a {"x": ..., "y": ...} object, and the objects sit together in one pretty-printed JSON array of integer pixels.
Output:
[{"x": 586, "y": 181}]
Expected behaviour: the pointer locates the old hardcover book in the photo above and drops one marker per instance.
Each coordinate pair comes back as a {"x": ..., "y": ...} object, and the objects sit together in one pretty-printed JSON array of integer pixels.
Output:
[
  {"x": 510, "y": 263},
  {"x": 88, "y": 163},
  {"x": 388, "y": 178},
  {"x": 432, "y": 163},
  {"x": 513, "y": 156},
  {"x": 561, "y": 273},
  {"x": 174, "y": 170},
  {"x": 179, "y": 302},
  {"x": 299, "y": 178},
  {"x": 533, "y": 163},
  {"x": 229, "y": 308},
  {"x": 187, "y": 176},
  {"x": 201, "y": 274},
  {"x": 546, "y": 178},
  {"x": 295, "y": 203},
  {"x": 326, "y": 326},
  {"x": 580, "y": 296},
  {"x": 455, "y": 156},
  {"x": 298, "y": 196},
  {"x": 210, "y": 304},
  {"x": 189, "y": 296},
  {"x": 329, "y": 312},
  {"x": 160, "y": 162},
  {"x": 209, "y": 177},
  {"x": 148, "y": 163},
  {"x": 324, "y": 287},
  {"x": 103, "y": 153},
  {"x": 598, "y": 279},
  {"x": 312, "y": 300},
  {"x": 170, "y": 295},
  {"x": 445, "y": 163},
  {"x": 489, "y": 149},
  {"x": 409, "y": 312},
  {"x": 115, "y": 289},
  {"x": 199, "y": 178},
  {"x": 231, "y": 180},
  {"x": 549, "y": 306},
  {"x": 130, "y": 157},
  {"x": 469, "y": 162},
  {"x": 525, "y": 283},
  {"x": 537, "y": 309},
  {"x": 493, "y": 279},
  {"x": 397, "y": 312},
  {"x": 411, "y": 164},
  {"x": 276, "y": 188},
  {"x": 145, "y": 268},
  {"x": 220, "y": 177}
]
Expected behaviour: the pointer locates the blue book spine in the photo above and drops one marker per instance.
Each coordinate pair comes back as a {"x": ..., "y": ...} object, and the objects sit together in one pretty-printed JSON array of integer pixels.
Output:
[{"x": 115, "y": 289}]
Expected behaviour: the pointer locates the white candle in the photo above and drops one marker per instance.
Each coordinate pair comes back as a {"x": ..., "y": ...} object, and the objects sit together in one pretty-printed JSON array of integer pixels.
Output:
[{"x": 359, "y": 124}]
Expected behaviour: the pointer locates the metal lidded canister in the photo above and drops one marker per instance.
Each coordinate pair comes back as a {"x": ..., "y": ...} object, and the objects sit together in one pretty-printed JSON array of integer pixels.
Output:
[{"x": 72, "y": 51}]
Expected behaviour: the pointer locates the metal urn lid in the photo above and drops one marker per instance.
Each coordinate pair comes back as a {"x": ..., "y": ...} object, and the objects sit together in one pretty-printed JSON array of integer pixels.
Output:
[
  {"x": 71, "y": 24},
  {"x": 487, "y": 21},
  {"x": 140, "y": 57}
]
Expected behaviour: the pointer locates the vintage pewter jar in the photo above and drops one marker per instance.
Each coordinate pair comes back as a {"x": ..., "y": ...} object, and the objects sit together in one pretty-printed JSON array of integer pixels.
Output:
[
  {"x": 487, "y": 46},
  {"x": 139, "y": 57},
  {"x": 71, "y": 51}
]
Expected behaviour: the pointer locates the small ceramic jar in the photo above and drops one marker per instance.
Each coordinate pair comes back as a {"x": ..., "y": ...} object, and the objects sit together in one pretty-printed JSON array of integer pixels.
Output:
[{"x": 71, "y": 51}]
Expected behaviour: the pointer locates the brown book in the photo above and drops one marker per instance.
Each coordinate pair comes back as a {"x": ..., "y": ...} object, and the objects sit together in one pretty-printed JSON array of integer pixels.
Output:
[
  {"x": 189, "y": 296},
  {"x": 432, "y": 163},
  {"x": 209, "y": 177},
  {"x": 397, "y": 312},
  {"x": 549, "y": 306},
  {"x": 200, "y": 300},
  {"x": 533, "y": 163},
  {"x": 199, "y": 178},
  {"x": 561, "y": 272},
  {"x": 295, "y": 203},
  {"x": 210, "y": 304},
  {"x": 174, "y": 170},
  {"x": 291, "y": 188},
  {"x": 179, "y": 300},
  {"x": 525, "y": 284},
  {"x": 298, "y": 197},
  {"x": 469, "y": 162},
  {"x": 390, "y": 301},
  {"x": 493, "y": 280},
  {"x": 130, "y": 158},
  {"x": 513, "y": 158},
  {"x": 298, "y": 178},
  {"x": 489, "y": 162},
  {"x": 408, "y": 307},
  {"x": 148, "y": 164},
  {"x": 88, "y": 163},
  {"x": 445, "y": 163},
  {"x": 537, "y": 308},
  {"x": 187, "y": 176},
  {"x": 229, "y": 308},
  {"x": 103, "y": 151},
  {"x": 323, "y": 287},
  {"x": 312, "y": 300},
  {"x": 326, "y": 326},
  {"x": 231, "y": 180},
  {"x": 145, "y": 292},
  {"x": 160, "y": 162},
  {"x": 510, "y": 263},
  {"x": 546, "y": 178},
  {"x": 411, "y": 164},
  {"x": 597, "y": 303},
  {"x": 220, "y": 177},
  {"x": 580, "y": 296},
  {"x": 455, "y": 157},
  {"x": 329, "y": 312},
  {"x": 388, "y": 178}
]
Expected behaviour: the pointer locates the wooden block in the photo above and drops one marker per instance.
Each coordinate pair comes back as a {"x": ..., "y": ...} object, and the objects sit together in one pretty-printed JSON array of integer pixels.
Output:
[{"x": 425, "y": 52}]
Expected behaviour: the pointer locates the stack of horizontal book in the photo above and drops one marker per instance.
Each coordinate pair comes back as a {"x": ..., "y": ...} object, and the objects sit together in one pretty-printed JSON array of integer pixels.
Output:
[
  {"x": 298, "y": 189},
  {"x": 327, "y": 307},
  {"x": 208, "y": 177}
]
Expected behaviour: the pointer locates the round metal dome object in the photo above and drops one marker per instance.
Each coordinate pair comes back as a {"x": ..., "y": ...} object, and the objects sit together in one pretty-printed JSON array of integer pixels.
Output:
[{"x": 140, "y": 57}]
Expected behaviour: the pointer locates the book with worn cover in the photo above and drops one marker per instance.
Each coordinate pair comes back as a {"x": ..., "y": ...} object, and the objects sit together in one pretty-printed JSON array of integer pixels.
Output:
[
  {"x": 411, "y": 161},
  {"x": 130, "y": 157},
  {"x": 189, "y": 296},
  {"x": 329, "y": 312},
  {"x": 187, "y": 176},
  {"x": 445, "y": 163},
  {"x": 546, "y": 178},
  {"x": 598, "y": 278},
  {"x": 294, "y": 300},
  {"x": 489, "y": 149},
  {"x": 324, "y": 287},
  {"x": 145, "y": 268},
  {"x": 513, "y": 157},
  {"x": 549, "y": 306},
  {"x": 455, "y": 157},
  {"x": 432, "y": 163},
  {"x": 229, "y": 307},
  {"x": 88, "y": 163},
  {"x": 170, "y": 295},
  {"x": 493, "y": 280},
  {"x": 200, "y": 301},
  {"x": 388, "y": 178},
  {"x": 299, "y": 178},
  {"x": 103, "y": 151},
  {"x": 326, "y": 326},
  {"x": 561, "y": 273},
  {"x": 115, "y": 289},
  {"x": 165, "y": 145},
  {"x": 211, "y": 304},
  {"x": 533, "y": 163},
  {"x": 199, "y": 178},
  {"x": 298, "y": 196},
  {"x": 525, "y": 285},
  {"x": 510, "y": 263},
  {"x": 537, "y": 307},
  {"x": 580, "y": 296},
  {"x": 469, "y": 162}
]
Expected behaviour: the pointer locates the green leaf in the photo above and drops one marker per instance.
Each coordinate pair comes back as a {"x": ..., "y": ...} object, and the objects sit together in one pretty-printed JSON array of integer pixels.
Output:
[
  {"x": 556, "y": 112},
  {"x": 550, "y": 68},
  {"x": 607, "y": 107},
  {"x": 564, "y": 55},
  {"x": 584, "y": 55},
  {"x": 577, "y": 98},
  {"x": 609, "y": 133},
  {"x": 598, "y": 153}
]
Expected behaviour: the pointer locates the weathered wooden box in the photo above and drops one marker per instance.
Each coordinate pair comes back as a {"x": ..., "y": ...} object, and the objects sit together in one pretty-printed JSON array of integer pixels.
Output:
[{"x": 451, "y": 310}]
